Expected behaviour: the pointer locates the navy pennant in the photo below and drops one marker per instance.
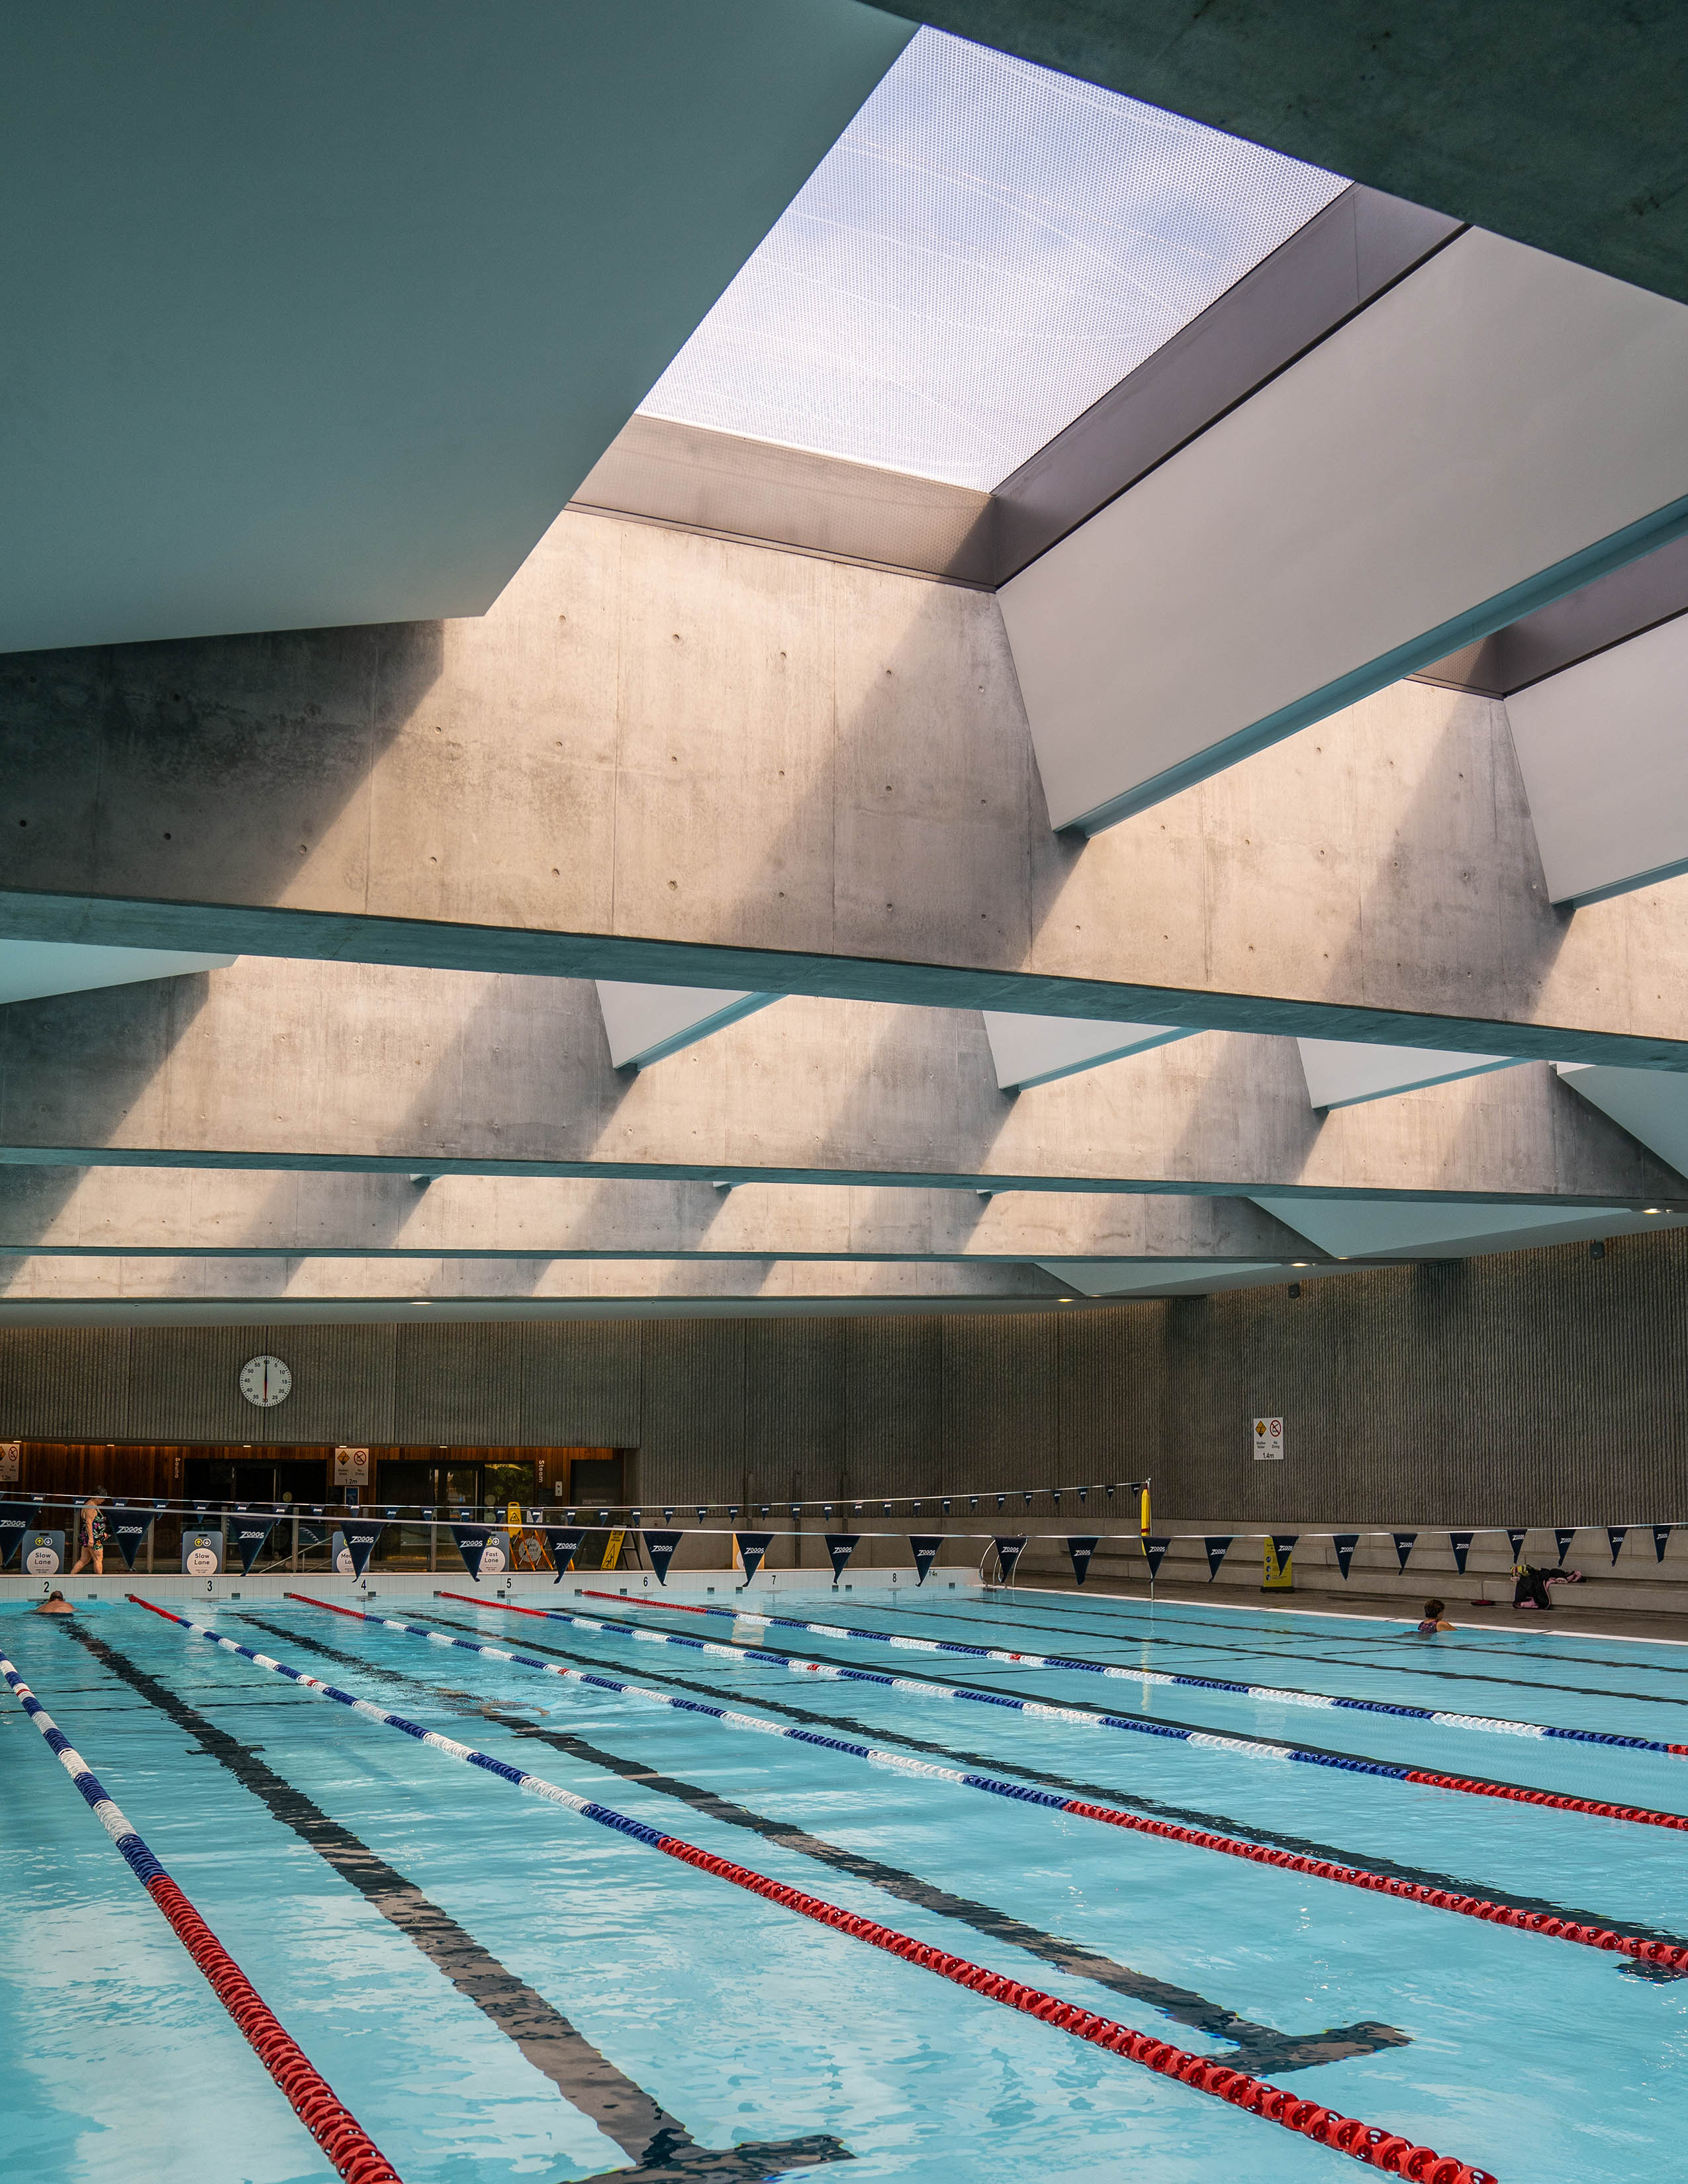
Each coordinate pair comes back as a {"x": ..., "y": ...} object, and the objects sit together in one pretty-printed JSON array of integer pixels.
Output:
[
  {"x": 1283, "y": 1544},
  {"x": 564, "y": 1546},
  {"x": 1345, "y": 1544},
  {"x": 1154, "y": 1551},
  {"x": 926, "y": 1546},
  {"x": 1615, "y": 1533},
  {"x": 1081, "y": 1551},
  {"x": 1216, "y": 1553},
  {"x": 129, "y": 1528},
  {"x": 247, "y": 1536},
  {"x": 1515, "y": 1536},
  {"x": 840, "y": 1545},
  {"x": 1008, "y": 1553},
  {"x": 1404, "y": 1543},
  {"x": 752, "y": 1546},
  {"x": 1661, "y": 1534},
  {"x": 15, "y": 1519},
  {"x": 1460, "y": 1544},
  {"x": 1562, "y": 1538},
  {"x": 360, "y": 1538},
  {"x": 471, "y": 1544},
  {"x": 660, "y": 1547}
]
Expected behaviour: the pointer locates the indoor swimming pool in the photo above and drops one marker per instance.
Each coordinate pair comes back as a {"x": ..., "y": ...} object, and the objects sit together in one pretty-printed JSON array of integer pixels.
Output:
[{"x": 502, "y": 1986}]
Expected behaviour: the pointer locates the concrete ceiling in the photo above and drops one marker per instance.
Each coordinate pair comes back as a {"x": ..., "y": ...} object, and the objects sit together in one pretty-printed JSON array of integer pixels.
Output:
[
  {"x": 318, "y": 315},
  {"x": 1560, "y": 127}
]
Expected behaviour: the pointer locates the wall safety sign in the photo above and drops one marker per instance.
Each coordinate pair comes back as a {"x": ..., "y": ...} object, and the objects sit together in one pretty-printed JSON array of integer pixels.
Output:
[{"x": 1268, "y": 1438}]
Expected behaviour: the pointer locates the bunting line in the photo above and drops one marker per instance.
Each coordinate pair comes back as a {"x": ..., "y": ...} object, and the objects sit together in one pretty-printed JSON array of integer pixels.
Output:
[
  {"x": 1137, "y": 1724},
  {"x": 1671, "y": 1955},
  {"x": 1491, "y": 1724},
  {"x": 1369, "y": 2143},
  {"x": 336, "y": 2130}
]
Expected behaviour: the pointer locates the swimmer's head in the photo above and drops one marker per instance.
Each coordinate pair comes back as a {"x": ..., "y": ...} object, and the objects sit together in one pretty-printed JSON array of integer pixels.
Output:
[{"x": 1433, "y": 1608}]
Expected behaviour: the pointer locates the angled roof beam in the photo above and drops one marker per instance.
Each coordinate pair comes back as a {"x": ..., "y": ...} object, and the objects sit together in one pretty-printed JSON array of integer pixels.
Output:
[
  {"x": 1496, "y": 430},
  {"x": 668, "y": 760},
  {"x": 646, "y": 1023},
  {"x": 276, "y": 1065}
]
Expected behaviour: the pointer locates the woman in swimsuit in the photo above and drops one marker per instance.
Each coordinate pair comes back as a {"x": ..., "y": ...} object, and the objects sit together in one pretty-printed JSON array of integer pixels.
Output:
[{"x": 92, "y": 1529}]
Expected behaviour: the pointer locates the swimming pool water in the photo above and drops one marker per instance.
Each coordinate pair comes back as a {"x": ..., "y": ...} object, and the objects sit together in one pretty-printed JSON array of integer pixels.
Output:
[{"x": 455, "y": 1957}]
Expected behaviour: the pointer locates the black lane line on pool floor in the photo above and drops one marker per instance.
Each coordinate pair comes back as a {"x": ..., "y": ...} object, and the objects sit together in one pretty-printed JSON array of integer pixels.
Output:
[
  {"x": 1134, "y": 1715},
  {"x": 658, "y": 2146},
  {"x": 1132, "y": 1801},
  {"x": 1417, "y": 1667},
  {"x": 1255, "y": 2048}
]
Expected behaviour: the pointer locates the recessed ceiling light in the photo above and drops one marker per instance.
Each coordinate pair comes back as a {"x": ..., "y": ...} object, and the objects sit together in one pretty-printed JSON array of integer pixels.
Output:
[{"x": 1652, "y": 1209}]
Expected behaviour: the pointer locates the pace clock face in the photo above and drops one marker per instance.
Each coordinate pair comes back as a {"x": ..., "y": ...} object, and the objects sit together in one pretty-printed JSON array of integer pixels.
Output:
[{"x": 265, "y": 1381}]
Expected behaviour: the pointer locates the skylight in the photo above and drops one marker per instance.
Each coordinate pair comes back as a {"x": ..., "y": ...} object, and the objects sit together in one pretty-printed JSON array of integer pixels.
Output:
[{"x": 984, "y": 252}]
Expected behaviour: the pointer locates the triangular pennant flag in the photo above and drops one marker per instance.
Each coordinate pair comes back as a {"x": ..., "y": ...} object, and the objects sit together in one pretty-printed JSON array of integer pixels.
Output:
[
  {"x": 129, "y": 1528},
  {"x": 752, "y": 1546},
  {"x": 1345, "y": 1544},
  {"x": 1156, "y": 1551},
  {"x": 1008, "y": 1553},
  {"x": 1460, "y": 1544},
  {"x": 247, "y": 1536},
  {"x": 15, "y": 1519},
  {"x": 471, "y": 1544},
  {"x": 1403, "y": 1547},
  {"x": 1563, "y": 1537},
  {"x": 1283, "y": 1544},
  {"x": 1081, "y": 1551},
  {"x": 926, "y": 1546},
  {"x": 660, "y": 1547},
  {"x": 1661, "y": 1534},
  {"x": 1515, "y": 1535},
  {"x": 564, "y": 1546},
  {"x": 1216, "y": 1553},
  {"x": 840, "y": 1545},
  {"x": 361, "y": 1535},
  {"x": 1615, "y": 1534}
]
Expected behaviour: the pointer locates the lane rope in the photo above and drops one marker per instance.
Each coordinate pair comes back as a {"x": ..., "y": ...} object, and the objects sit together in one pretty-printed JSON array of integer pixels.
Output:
[
  {"x": 1389, "y": 2151},
  {"x": 1671, "y": 1955},
  {"x": 1203, "y": 1740},
  {"x": 1493, "y": 1725},
  {"x": 336, "y": 2130}
]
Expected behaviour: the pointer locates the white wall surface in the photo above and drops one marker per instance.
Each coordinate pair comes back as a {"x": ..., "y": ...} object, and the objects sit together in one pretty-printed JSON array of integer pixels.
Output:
[
  {"x": 645, "y": 1023},
  {"x": 1603, "y": 750},
  {"x": 29, "y": 970},
  {"x": 1034, "y": 1050},
  {"x": 1492, "y": 417},
  {"x": 1342, "y": 1073}
]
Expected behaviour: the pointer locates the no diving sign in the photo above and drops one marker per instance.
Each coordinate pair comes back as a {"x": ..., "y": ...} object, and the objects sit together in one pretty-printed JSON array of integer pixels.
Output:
[{"x": 1268, "y": 1438}]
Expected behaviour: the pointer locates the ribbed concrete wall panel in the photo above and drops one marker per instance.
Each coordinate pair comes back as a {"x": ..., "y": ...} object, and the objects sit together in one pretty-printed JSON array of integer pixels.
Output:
[
  {"x": 692, "y": 1446},
  {"x": 794, "y": 1405},
  {"x": 1001, "y": 1401},
  {"x": 580, "y": 1383},
  {"x": 459, "y": 1384},
  {"x": 67, "y": 1383},
  {"x": 894, "y": 1399}
]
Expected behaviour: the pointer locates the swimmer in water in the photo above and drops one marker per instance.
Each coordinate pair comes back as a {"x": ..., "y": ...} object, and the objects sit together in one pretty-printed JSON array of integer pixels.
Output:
[
  {"x": 54, "y": 1604},
  {"x": 1434, "y": 1620}
]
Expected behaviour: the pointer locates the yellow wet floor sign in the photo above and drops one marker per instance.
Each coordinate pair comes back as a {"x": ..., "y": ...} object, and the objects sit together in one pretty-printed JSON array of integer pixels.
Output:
[
  {"x": 612, "y": 1552},
  {"x": 528, "y": 1550},
  {"x": 1280, "y": 1574}
]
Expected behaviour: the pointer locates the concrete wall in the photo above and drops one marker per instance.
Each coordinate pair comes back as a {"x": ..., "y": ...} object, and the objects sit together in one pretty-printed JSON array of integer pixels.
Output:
[{"x": 1543, "y": 1387}]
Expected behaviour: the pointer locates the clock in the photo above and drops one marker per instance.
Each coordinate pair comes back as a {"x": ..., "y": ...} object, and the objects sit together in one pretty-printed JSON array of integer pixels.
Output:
[{"x": 265, "y": 1381}]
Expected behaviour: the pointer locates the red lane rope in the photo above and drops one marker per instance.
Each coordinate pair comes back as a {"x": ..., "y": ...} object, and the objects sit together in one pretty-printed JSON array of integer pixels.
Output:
[{"x": 1395, "y": 2155}]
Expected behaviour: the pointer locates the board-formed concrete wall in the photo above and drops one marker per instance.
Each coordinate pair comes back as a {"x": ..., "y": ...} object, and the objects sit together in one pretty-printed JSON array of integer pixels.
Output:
[{"x": 1542, "y": 1387}]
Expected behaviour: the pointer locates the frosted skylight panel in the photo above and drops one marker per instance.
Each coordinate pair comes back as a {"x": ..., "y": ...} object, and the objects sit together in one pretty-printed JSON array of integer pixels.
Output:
[{"x": 986, "y": 249}]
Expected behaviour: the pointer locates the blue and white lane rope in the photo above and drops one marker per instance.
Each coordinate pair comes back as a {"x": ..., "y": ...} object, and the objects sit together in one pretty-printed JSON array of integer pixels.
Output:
[
  {"x": 1671, "y": 1955},
  {"x": 1366, "y": 2142},
  {"x": 1492, "y": 1725},
  {"x": 1085, "y": 1718},
  {"x": 336, "y": 2130}
]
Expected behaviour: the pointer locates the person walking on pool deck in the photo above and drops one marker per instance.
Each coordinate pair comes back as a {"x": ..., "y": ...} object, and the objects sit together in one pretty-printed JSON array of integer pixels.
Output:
[
  {"x": 90, "y": 1527},
  {"x": 54, "y": 1604},
  {"x": 1434, "y": 1620}
]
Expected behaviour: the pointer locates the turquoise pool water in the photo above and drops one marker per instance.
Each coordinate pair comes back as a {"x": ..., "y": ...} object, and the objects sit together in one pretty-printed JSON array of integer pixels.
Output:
[{"x": 480, "y": 1975}]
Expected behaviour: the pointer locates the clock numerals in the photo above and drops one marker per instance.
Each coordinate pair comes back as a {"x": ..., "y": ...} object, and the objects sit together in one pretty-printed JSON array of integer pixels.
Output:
[{"x": 265, "y": 1381}]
